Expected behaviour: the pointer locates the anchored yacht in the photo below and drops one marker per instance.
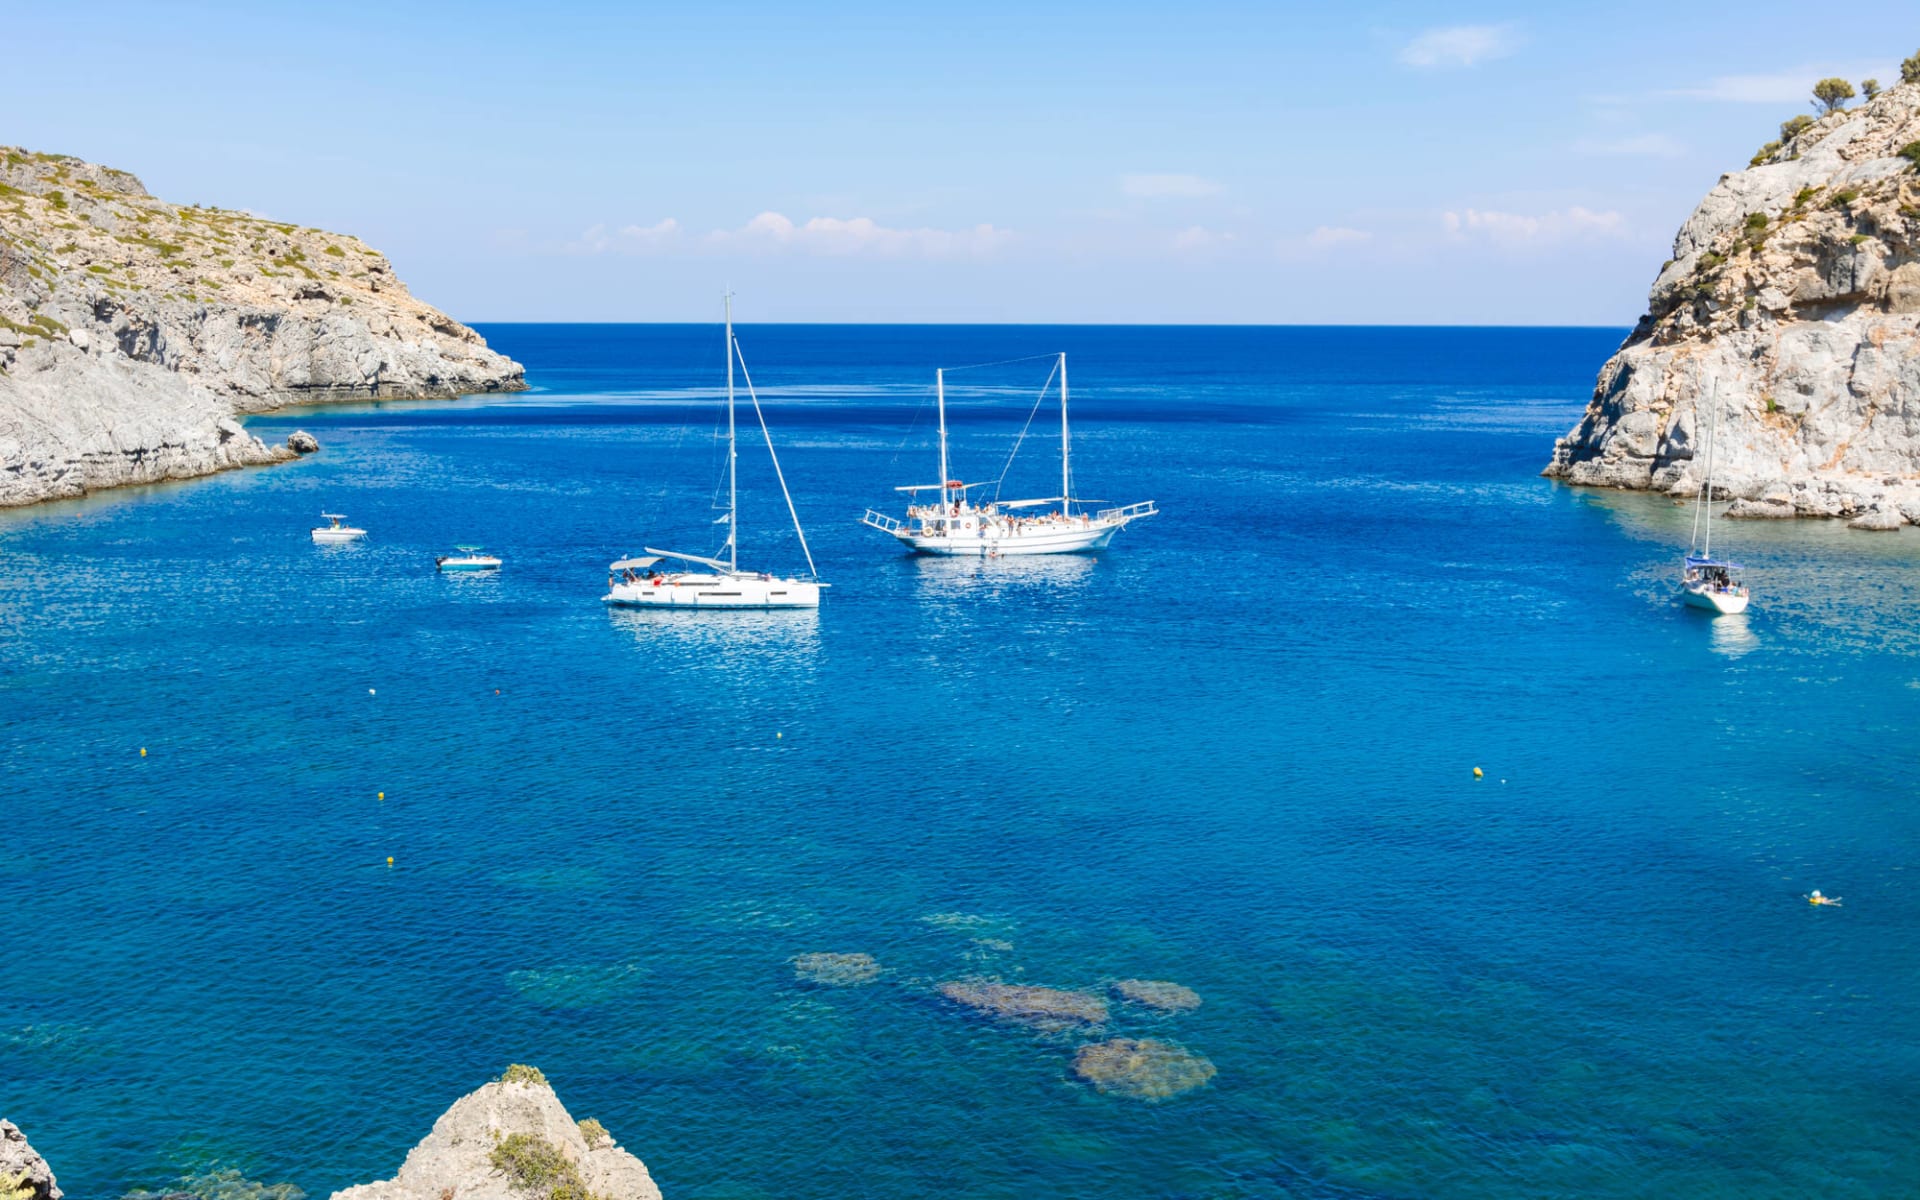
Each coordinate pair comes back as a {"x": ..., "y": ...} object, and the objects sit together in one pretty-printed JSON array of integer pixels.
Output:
[
  {"x": 1705, "y": 581},
  {"x": 641, "y": 583},
  {"x": 957, "y": 521}
]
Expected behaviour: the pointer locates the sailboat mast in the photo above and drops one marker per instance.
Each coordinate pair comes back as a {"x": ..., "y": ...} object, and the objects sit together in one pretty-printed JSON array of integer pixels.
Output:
[
  {"x": 733, "y": 456},
  {"x": 940, "y": 398},
  {"x": 1066, "y": 475},
  {"x": 1713, "y": 438}
]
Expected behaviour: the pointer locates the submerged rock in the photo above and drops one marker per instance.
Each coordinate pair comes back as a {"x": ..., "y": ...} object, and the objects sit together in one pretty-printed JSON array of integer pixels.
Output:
[
  {"x": 22, "y": 1170},
  {"x": 493, "y": 1141},
  {"x": 1142, "y": 1068},
  {"x": 221, "y": 1184},
  {"x": 836, "y": 970},
  {"x": 1158, "y": 993},
  {"x": 1043, "y": 1006}
]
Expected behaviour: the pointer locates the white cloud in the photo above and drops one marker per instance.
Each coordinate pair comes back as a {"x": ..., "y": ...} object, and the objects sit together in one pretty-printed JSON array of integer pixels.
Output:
[
  {"x": 1460, "y": 46},
  {"x": 1196, "y": 238},
  {"x": 860, "y": 236},
  {"x": 1646, "y": 145},
  {"x": 1337, "y": 235},
  {"x": 628, "y": 239},
  {"x": 1519, "y": 229},
  {"x": 1169, "y": 187},
  {"x": 1780, "y": 87}
]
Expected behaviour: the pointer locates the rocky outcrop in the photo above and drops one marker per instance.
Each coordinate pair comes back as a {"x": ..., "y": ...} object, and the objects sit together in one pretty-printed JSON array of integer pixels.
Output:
[
  {"x": 133, "y": 332},
  {"x": 24, "y": 1175},
  {"x": 1792, "y": 307},
  {"x": 513, "y": 1140}
]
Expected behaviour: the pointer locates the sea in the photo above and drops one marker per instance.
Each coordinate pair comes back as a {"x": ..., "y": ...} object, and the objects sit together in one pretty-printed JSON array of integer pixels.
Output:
[{"x": 1487, "y": 858}]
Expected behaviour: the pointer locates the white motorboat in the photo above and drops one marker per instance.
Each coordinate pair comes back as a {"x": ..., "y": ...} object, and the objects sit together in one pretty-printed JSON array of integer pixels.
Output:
[
  {"x": 956, "y": 523},
  {"x": 334, "y": 533},
  {"x": 467, "y": 558},
  {"x": 1705, "y": 581},
  {"x": 640, "y": 583}
]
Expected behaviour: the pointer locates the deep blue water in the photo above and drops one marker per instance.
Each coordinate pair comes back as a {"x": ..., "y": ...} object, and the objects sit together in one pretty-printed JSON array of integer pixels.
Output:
[{"x": 1236, "y": 751}]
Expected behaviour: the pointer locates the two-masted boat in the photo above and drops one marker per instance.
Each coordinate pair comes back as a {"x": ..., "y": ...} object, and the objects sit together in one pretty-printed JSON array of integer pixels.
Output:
[{"x": 959, "y": 519}]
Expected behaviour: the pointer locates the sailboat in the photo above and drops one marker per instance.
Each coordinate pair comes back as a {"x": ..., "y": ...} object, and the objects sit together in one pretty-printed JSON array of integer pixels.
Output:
[
  {"x": 1707, "y": 582},
  {"x": 956, "y": 523},
  {"x": 639, "y": 582}
]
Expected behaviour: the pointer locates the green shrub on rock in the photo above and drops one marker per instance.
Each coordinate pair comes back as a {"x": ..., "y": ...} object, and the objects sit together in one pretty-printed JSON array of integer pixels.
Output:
[
  {"x": 539, "y": 1169},
  {"x": 522, "y": 1073},
  {"x": 1792, "y": 127},
  {"x": 1911, "y": 152},
  {"x": 1831, "y": 95},
  {"x": 1869, "y": 88},
  {"x": 1763, "y": 154},
  {"x": 1910, "y": 68},
  {"x": 594, "y": 1133}
]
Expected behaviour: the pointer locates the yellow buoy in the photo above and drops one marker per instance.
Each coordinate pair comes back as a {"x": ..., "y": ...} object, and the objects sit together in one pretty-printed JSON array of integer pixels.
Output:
[
  {"x": 389, "y": 860},
  {"x": 383, "y": 795},
  {"x": 779, "y": 735},
  {"x": 143, "y": 752},
  {"x": 1478, "y": 773}
]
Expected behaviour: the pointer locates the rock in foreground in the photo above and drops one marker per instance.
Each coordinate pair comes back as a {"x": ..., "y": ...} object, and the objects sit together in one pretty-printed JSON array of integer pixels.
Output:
[
  {"x": 133, "y": 331},
  {"x": 1042, "y": 1006},
  {"x": 1142, "y": 1068},
  {"x": 1792, "y": 306},
  {"x": 1158, "y": 993},
  {"x": 836, "y": 970},
  {"x": 512, "y": 1141},
  {"x": 22, "y": 1170}
]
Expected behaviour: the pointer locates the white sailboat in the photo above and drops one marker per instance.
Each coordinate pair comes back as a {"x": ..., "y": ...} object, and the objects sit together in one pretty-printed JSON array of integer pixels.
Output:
[
  {"x": 1707, "y": 582},
  {"x": 954, "y": 523},
  {"x": 640, "y": 583},
  {"x": 334, "y": 533}
]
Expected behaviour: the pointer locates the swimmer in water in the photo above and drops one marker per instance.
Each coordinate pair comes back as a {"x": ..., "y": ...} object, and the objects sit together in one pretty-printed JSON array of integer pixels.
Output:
[{"x": 1817, "y": 898}]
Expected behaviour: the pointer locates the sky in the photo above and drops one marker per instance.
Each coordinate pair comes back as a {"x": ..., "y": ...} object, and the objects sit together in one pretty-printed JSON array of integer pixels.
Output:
[{"x": 1198, "y": 162}]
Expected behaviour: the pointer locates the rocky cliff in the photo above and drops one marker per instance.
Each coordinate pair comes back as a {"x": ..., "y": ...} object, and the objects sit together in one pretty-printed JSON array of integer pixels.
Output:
[
  {"x": 1792, "y": 304},
  {"x": 134, "y": 332}
]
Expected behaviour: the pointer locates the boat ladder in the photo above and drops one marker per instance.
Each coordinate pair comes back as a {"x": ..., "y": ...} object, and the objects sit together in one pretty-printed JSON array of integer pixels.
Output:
[
  {"x": 1129, "y": 513},
  {"x": 882, "y": 522}
]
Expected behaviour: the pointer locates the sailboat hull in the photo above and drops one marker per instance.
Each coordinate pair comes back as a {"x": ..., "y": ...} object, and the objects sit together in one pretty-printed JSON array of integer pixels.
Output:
[
  {"x": 715, "y": 591},
  {"x": 1726, "y": 603},
  {"x": 990, "y": 542}
]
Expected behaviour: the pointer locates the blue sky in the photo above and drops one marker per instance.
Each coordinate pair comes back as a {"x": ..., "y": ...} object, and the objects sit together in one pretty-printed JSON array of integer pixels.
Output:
[{"x": 1110, "y": 162}]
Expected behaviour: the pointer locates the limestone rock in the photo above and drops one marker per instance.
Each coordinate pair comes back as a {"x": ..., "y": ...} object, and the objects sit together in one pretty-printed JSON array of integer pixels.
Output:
[
  {"x": 456, "y": 1158},
  {"x": 1759, "y": 510},
  {"x": 22, "y": 1168},
  {"x": 1051, "y": 1008},
  {"x": 302, "y": 442},
  {"x": 1878, "y": 519},
  {"x": 836, "y": 970},
  {"x": 130, "y": 327},
  {"x": 1792, "y": 306},
  {"x": 1142, "y": 1068},
  {"x": 1158, "y": 993}
]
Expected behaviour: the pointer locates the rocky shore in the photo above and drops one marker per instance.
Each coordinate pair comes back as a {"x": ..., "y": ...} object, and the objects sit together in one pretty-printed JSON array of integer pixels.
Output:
[
  {"x": 134, "y": 333},
  {"x": 1792, "y": 304},
  {"x": 510, "y": 1140}
]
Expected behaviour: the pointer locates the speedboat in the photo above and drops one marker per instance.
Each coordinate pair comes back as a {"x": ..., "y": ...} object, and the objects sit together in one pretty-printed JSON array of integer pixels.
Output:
[
  {"x": 334, "y": 533},
  {"x": 469, "y": 558}
]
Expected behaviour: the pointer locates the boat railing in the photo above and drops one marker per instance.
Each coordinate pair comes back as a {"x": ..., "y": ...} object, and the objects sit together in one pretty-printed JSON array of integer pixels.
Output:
[
  {"x": 1128, "y": 512},
  {"x": 881, "y": 521}
]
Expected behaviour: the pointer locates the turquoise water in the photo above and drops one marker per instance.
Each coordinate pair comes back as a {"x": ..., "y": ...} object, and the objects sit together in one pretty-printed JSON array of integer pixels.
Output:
[{"x": 1235, "y": 752}]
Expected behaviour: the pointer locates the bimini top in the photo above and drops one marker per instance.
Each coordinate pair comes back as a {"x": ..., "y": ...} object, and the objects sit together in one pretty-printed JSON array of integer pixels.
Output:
[
  {"x": 1696, "y": 560},
  {"x": 470, "y": 549},
  {"x": 633, "y": 564}
]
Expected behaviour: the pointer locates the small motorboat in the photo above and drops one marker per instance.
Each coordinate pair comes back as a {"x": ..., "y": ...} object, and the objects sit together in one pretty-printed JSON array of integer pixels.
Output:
[
  {"x": 469, "y": 558},
  {"x": 334, "y": 533}
]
